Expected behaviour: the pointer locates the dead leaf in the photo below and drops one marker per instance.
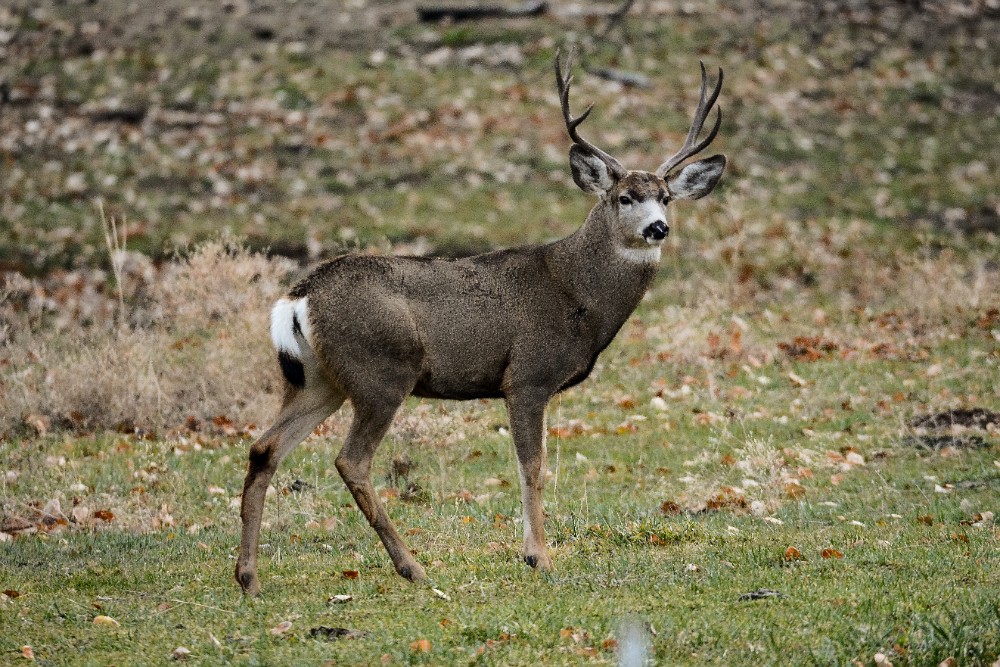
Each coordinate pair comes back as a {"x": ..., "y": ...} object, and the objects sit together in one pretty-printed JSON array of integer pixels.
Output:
[
  {"x": 794, "y": 490},
  {"x": 882, "y": 660},
  {"x": 180, "y": 653},
  {"x": 350, "y": 574},
  {"x": 12, "y": 594},
  {"x": 421, "y": 646},
  {"x": 27, "y": 653},
  {"x": 281, "y": 628},
  {"x": 339, "y": 599},
  {"x": 831, "y": 553},
  {"x": 441, "y": 594},
  {"x": 106, "y": 620},
  {"x": 926, "y": 519},
  {"x": 948, "y": 662},
  {"x": 796, "y": 380},
  {"x": 104, "y": 515},
  {"x": 791, "y": 553}
]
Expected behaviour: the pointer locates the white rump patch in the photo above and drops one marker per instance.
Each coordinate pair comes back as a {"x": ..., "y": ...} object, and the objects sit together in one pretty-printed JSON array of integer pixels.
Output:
[
  {"x": 640, "y": 255},
  {"x": 285, "y": 314}
]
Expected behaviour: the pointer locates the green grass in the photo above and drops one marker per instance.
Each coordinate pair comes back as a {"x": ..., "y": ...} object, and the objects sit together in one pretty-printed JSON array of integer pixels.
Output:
[
  {"x": 832, "y": 223},
  {"x": 927, "y": 590}
]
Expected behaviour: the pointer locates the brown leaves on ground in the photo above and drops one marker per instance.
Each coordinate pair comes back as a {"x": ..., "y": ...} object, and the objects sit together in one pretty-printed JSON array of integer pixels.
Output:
[
  {"x": 808, "y": 348},
  {"x": 421, "y": 646},
  {"x": 831, "y": 553}
]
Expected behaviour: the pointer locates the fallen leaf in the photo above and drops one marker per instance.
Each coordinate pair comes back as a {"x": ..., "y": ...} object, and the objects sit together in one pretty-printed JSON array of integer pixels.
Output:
[
  {"x": 791, "y": 553},
  {"x": 420, "y": 646},
  {"x": 180, "y": 653},
  {"x": 441, "y": 594},
  {"x": 882, "y": 660},
  {"x": 831, "y": 553},
  {"x": 339, "y": 599},
  {"x": 27, "y": 653},
  {"x": 281, "y": 628},
  {"x": 670, "y": 507},
  {"x": 948, "y": 662},
  {"x": 609, "y": 644},
  {"x": 11, "y": 593},
  {"x": 350, "y": 574},
  {"x": 80, "y": 513},
  {"x": 794, "y": 490},
  {"x": 926, "y": 519},
  {"x": 796, "y": 380},
  {"x": 106, "y": 620},
  {"x": 104, "y": 515}
]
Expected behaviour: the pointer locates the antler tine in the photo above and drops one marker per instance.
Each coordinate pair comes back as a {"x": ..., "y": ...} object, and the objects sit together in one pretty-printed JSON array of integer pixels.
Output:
[
  {"x": 563, "y": 84},
  {"x": 691, "y": 148}
]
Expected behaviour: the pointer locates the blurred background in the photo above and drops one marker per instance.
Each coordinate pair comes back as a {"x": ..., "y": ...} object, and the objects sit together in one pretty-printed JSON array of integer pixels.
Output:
[{"x": 302, "y": 129}]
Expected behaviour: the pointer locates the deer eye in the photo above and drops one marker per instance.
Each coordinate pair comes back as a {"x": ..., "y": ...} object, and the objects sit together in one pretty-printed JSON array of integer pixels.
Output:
[
  {"x": 665, "y": 200},
  {"x": 624, "y": 201}
]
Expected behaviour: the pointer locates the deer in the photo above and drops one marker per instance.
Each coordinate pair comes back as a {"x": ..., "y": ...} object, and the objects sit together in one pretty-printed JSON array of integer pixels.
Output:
[{"x": 520, "y": 324}]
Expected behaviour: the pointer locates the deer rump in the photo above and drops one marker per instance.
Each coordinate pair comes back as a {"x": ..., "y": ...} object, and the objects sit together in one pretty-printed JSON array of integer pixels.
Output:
[{"x": 454, "y": 329}]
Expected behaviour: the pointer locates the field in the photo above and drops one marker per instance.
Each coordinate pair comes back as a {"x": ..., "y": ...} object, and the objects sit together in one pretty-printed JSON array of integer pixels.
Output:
[{"x": 787, "y": 456}]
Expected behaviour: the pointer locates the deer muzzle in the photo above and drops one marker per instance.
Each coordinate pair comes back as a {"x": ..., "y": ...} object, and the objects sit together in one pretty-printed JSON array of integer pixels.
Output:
[{"x": 656, "y": 231}]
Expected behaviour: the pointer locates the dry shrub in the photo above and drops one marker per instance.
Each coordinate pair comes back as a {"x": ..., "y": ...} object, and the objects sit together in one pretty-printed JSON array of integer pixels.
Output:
[{"x": 196, "y": 346}]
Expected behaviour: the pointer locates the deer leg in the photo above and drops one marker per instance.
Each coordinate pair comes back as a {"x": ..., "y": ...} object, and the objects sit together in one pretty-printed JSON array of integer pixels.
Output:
[
  {"x": 371, "y": 421},
  {"x": 303, "y": 410},
  {"x": 527, "y": 420}
]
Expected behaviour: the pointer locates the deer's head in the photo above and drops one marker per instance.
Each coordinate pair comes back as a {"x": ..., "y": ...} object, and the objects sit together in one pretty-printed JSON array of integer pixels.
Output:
[{"x": 635, "y": 202}]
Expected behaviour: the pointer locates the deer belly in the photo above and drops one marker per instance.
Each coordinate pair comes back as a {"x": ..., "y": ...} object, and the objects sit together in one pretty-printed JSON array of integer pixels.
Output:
[{"x": 460, "y": 370}]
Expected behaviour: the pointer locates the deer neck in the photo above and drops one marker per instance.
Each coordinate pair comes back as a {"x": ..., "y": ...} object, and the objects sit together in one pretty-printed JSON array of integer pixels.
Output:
[{"x": 605, "y": 278}]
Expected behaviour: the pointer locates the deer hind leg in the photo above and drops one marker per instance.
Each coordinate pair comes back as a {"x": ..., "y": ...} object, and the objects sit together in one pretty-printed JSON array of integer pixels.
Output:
[
  {"x": 371, "y": 421},
  {"x": 303, "y": 411},
  {"x": 527, "y": 419}
]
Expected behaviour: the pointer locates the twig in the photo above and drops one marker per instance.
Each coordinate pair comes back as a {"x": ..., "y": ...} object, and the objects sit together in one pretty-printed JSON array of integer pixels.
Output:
[
  {"x": 197, "y": 604},
  {"x": 616, "y": 17}
]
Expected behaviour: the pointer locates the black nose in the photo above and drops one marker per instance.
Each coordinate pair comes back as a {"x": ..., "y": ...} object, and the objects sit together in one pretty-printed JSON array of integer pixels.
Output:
[{"x": 656, "y": 231}]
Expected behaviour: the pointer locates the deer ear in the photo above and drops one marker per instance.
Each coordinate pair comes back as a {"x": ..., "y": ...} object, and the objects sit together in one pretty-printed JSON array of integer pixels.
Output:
[
  {"x": 590, "y": 172},
  {"x": 698, "y": 178}
]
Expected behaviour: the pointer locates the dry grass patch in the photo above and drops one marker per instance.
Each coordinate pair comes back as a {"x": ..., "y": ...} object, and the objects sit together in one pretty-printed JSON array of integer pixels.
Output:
[{"x": 193, "y": 347}]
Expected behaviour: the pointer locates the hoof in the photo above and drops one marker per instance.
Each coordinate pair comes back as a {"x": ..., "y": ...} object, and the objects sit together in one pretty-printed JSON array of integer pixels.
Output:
[
  {"x": 538, "y": 562},
  {"x": 249, "y": 583},
  {"x": 412, "y": 572}
]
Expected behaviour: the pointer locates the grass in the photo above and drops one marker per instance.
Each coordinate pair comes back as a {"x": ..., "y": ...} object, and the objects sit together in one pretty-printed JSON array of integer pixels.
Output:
[
  {"x": 753, "y": 415},
  {"x": 913, "y": 582}
]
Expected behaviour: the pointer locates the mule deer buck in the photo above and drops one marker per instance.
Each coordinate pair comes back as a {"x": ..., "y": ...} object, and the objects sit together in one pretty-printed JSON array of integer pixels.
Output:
[{"x": 520, "y": 324}]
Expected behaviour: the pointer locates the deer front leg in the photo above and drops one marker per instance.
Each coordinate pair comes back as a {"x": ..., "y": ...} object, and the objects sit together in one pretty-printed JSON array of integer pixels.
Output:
[
  {"x": 371, "y": 421},
  {"x": 527, "y": 421}
]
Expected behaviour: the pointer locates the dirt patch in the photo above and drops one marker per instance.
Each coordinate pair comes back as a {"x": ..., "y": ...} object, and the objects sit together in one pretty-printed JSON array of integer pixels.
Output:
[
  {"x": 968, "y": 417},
  {"x": 939, "y": 442}
]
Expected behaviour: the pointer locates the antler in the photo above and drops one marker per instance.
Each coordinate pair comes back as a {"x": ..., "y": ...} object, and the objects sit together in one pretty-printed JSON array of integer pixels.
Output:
[
  {"x": 704, "y": 107},
  {"x": 572, "y": 123}
]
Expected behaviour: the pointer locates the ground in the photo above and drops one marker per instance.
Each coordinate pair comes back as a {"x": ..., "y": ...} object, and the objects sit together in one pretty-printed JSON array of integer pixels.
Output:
[{"x": 788, "y": 455}]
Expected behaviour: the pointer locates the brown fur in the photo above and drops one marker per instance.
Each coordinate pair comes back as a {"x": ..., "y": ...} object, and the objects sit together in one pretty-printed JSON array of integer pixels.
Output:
[{"x": 520, "y": 324}]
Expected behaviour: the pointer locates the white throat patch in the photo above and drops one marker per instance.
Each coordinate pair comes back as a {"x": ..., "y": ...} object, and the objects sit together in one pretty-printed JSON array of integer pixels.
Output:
[{"x": 640, "y": 255}]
